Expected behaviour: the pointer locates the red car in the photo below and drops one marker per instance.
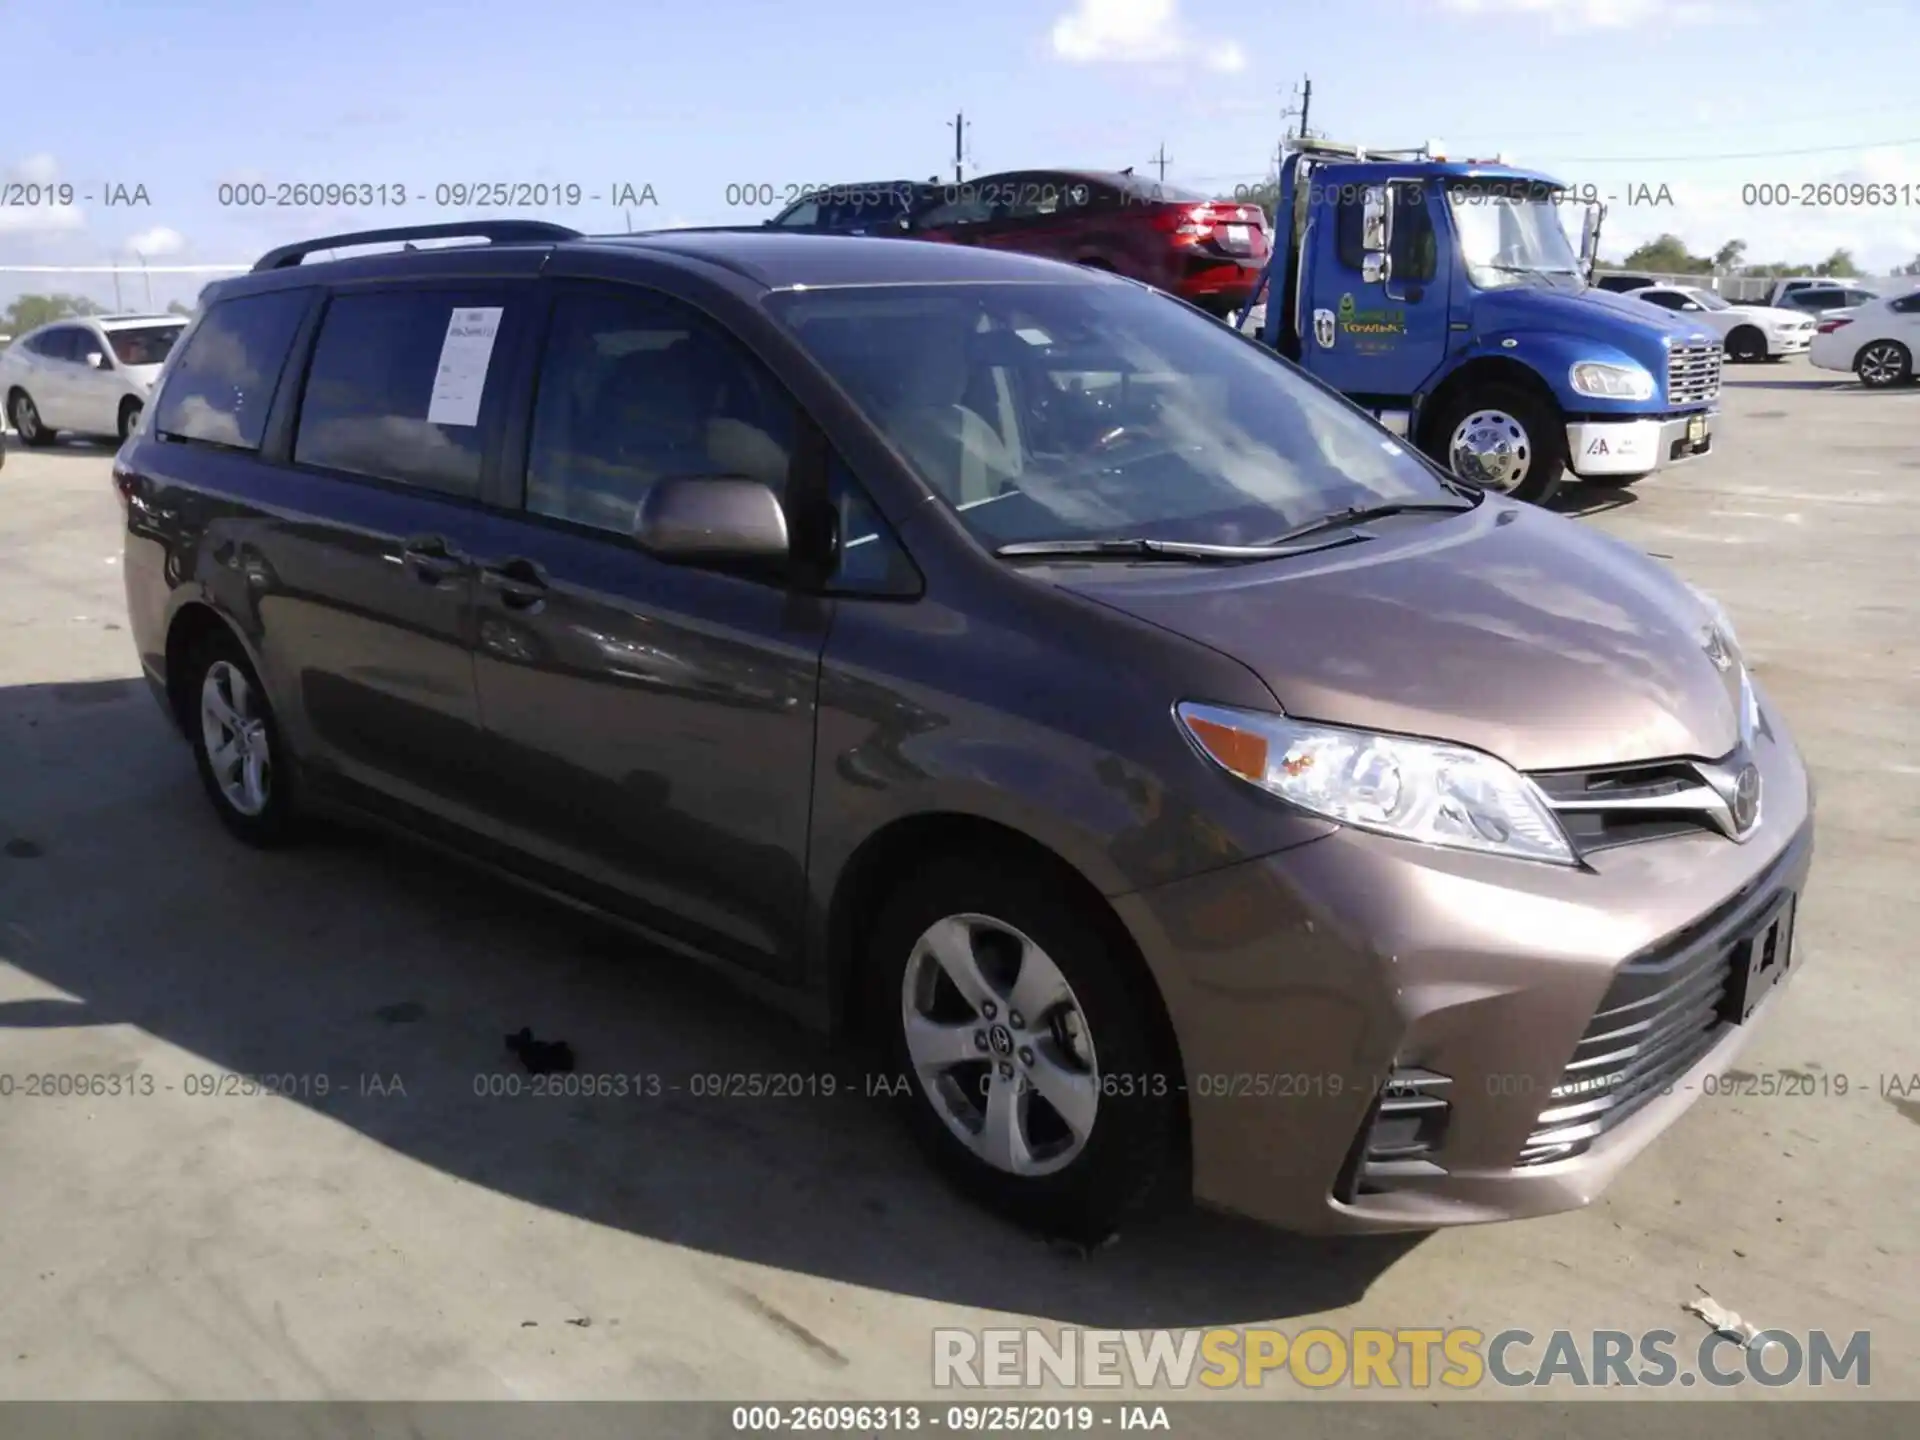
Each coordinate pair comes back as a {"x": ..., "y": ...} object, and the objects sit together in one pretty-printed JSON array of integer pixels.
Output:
[{"x": 1208, "y": 252}]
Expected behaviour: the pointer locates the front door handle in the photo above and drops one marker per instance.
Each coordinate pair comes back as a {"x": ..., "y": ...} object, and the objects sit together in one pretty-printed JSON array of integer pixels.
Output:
[
  {"x": 519, "y": 582},
  {"x": 432, "y": 559}
]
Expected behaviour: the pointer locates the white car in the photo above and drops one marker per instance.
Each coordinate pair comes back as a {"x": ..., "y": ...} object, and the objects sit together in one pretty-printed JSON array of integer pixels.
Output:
[
  {"x": 89, "y": 374},
  {"x": 1876, "y": 341},
  {"x": 1747, "y": 332}
]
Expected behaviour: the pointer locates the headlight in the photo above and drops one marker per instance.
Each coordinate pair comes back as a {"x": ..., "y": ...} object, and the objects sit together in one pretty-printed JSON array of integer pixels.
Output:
[
  {"x": 1415, "y": 789},
  {"x": 1611, "y": 382}
]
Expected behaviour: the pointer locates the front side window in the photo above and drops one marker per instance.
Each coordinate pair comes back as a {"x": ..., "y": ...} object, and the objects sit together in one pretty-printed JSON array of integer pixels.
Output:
[
  {"x": 147, "y": 345},
  {"x": 1510, "y": 234},
  {"x": 635, "y": 388},
  {"x": 396, "y": 387},
  {"x": 1047, "y": 412},
  {"x": 219, "y": 388},
  {"x": 1707, "y": 300},
  {"x": 1665, "y": 299}
]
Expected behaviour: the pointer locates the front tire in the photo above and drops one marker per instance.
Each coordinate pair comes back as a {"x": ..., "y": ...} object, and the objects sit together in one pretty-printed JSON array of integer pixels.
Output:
[
  {"x": 237, "y": 746},
  {"x": 1029, "y": 1046},
  {"x": 130, "y": 409},
  {"x": 1882, "y": 364},
  {"x": 1746, "y": 345},
  {"x": 1504, "y": 439},
  {"x": 27, "y": 423}
]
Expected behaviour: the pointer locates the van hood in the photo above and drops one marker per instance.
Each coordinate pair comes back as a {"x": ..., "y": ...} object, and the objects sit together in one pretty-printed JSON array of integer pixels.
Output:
[
  {"x": 1643, "y": 331},
  {"x": 1511, "y": 630}
]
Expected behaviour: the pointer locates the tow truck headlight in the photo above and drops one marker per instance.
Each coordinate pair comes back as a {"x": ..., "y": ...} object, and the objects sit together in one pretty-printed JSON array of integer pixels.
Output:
[
  {"x": 1612, "y": 382},
  {"x": 1419, "y": 790}
]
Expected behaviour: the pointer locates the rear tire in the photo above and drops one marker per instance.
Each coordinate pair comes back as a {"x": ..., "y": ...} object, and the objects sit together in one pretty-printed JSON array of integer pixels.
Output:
[
  {"x": 237, "y": 747},
  {"x": 1882, "y": 364},
  {"x": 1468, "y": 434},
  {"x": 985, "y": 1078},
  {"x": 27, "y": 424}
]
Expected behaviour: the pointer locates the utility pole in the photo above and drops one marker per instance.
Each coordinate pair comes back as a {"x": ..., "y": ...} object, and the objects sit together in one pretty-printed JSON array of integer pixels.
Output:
[
  {"x": 1162, "y": 161},
  {"x": 959, "y": 124},
  {"x": 1303, "y": 93}
]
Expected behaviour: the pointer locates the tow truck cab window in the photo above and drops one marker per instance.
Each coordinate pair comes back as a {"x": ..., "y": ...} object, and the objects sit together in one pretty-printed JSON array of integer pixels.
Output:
[{"x": 1415, "y": 255}]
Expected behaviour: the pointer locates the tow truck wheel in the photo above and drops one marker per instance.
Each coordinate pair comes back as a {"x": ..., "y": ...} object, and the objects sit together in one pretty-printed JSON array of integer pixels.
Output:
[{"x": 1502, "y": 439}]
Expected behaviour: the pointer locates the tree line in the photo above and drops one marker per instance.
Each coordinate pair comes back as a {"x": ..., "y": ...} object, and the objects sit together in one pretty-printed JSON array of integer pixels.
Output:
[{"x": 29, "y": 311}]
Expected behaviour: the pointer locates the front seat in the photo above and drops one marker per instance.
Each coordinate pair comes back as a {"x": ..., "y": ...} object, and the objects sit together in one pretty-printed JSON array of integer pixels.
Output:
[{"x": 958, "y": 452}]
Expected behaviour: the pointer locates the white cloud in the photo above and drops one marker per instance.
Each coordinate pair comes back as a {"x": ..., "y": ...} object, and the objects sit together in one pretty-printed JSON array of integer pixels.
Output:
[
  {"x": 41, "y": 219},
  {"x": 158, "y": 241},
  {"x": 1707, "y": 214},
  {"x": 1135, "y": 32},
  {"x": 1593, "y": 14},
  {"x": 40, "y": 169}
]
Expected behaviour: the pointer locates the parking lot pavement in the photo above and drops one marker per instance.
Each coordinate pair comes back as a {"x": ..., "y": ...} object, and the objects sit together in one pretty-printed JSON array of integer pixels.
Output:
[{"x": 401, "y": 1235}]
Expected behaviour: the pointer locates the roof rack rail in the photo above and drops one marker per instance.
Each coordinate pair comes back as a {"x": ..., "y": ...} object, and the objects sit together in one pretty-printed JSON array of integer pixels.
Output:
[{"x": 499, "y": 232}]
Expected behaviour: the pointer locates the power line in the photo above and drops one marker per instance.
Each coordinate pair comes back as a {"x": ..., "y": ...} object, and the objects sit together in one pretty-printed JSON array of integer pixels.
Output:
[{"x": 1162, "y": 161}]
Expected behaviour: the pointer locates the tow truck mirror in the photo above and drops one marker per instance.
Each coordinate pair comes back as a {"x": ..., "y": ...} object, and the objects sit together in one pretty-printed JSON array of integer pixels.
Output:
[
  {"x": 1376, "y": 234},
  {"x": 1590, "y": 236}
]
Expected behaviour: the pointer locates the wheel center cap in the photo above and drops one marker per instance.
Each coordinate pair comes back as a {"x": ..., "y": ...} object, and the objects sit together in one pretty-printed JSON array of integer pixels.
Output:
[{"x": 1001, "y": 1040}]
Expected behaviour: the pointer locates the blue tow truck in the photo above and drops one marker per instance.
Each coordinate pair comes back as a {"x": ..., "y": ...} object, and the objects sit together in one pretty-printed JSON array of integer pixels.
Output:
[{"x": 1446, "y": 298}]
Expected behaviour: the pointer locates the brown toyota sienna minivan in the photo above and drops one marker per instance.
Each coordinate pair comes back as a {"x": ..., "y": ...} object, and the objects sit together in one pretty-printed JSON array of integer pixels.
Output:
[{"x": 1183, "y": 784}]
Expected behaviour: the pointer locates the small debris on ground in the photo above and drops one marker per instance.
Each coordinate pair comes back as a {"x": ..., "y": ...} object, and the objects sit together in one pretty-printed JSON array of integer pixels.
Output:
[
  {"x": 541, "y": 1057},
  {"x": 21, "y": 848},
  {"x": 583, "y": 1321},
  {"x": 1723, "y": 1320}
]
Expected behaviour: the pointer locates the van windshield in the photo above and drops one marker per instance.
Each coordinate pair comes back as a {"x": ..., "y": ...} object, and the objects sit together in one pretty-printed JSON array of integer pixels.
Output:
[
  {"x": 1510, "y": 233},
  {"x": 1095, "y": 411}
]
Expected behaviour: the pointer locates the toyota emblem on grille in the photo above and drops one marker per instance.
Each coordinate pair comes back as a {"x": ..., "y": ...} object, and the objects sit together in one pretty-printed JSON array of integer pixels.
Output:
[{"x": 1746, "y": 798}]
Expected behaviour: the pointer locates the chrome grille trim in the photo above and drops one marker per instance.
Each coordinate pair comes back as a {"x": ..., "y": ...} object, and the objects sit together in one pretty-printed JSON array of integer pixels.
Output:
[
  {"x": 1660, "y": 1016},
  {"x": 1693, "y": 374}
]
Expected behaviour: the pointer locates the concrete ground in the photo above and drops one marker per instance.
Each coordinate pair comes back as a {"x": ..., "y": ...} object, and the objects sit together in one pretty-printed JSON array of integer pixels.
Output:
[{"x": 415, "y": 1239}]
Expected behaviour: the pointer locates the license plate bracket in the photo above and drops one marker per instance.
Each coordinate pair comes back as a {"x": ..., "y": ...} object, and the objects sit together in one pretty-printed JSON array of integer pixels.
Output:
[
  {"x": 1760, "y": 961},
  {"x": 1239, "y": 237}
]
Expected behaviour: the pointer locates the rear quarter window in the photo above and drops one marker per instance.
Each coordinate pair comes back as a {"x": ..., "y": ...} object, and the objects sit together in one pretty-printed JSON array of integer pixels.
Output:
[
  {"x": 377, "y": 403},
  {"x": 221, "y": 384}
]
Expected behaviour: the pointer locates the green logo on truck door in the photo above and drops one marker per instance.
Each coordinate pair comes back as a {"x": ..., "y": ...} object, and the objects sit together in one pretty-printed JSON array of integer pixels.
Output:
[{"x": 1381, "y": 325}]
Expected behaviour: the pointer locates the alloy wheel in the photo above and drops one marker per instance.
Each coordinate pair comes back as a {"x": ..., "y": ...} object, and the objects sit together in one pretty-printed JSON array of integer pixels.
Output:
[
  {"x": 1882, "y": 363},
  {"x": 233, "y": 728},
  {"x": 1000, "y": 1044}
]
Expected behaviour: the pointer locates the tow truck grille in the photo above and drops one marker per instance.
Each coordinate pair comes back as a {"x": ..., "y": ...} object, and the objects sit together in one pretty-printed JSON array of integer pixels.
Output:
[{"x": 1693, "y": 374}]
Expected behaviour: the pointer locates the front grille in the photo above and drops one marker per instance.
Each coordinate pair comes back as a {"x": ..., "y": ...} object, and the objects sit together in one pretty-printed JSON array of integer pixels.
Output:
[
  {"x": 1693, "y": 374},
  {"x": 1628, "y": 804},
  {"x": 1664, "y": 1010},
  {"x": 1407, "y": 1124}
]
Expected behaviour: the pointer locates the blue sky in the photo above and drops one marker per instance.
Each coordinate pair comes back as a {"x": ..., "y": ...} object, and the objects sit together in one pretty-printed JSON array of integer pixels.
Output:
[{"x": 690, "y": 98}]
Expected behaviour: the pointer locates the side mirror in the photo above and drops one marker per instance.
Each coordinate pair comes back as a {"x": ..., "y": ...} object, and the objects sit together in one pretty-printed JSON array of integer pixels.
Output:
[
  {"x": 707, "y": 519},
  {"x": 1590, "y": 236},
  {"x": 96, "y": 360},
  {"x": 1376, "y": 234}
]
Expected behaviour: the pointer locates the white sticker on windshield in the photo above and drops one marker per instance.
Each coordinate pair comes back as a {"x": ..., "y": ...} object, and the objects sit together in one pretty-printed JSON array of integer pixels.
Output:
[{"x": 462, "y": 376}]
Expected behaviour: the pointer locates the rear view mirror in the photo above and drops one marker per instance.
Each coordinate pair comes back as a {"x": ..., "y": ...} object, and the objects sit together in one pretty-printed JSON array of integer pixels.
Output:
[
  {"x": 1590, "y": 224},
  {"x": 96, "y": 360},
  {"x": 1376, "y": 234},
  {"x": 708, "y": 519}
]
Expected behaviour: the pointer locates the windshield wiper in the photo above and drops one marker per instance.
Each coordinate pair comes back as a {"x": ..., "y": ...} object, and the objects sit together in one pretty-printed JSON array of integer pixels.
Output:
[
  {"x": 1355, "y": 514},
  {"x": 1138, "y": 548}
]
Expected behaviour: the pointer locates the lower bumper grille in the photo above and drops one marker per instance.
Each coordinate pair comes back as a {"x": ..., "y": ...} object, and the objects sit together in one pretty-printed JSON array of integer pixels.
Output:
[{"x": 1648, "y": 1032}]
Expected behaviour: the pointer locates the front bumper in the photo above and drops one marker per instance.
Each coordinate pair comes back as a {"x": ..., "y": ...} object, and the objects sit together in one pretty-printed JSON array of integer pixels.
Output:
[
  {"x": 1796, "y": 342},
  {"x": 1599, "y": 448},
  {"x": 1297, "y": 984}
]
